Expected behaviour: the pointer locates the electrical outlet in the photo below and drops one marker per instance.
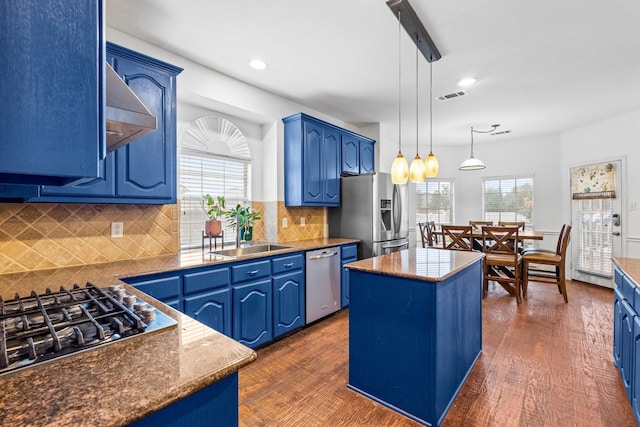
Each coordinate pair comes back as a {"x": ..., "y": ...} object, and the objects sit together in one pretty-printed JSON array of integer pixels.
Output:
[
  {"x": 117, "y": 229},
  {"x": 285, "y": 223},
  {"x": 301, "y": 221}
]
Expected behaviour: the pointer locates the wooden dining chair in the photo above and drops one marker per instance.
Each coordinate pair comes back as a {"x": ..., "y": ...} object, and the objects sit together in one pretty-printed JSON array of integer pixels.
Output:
[
  {"x": 457, "y": 237},
  {"x": 424, "y": 234},
  {"x": 557, "y": 260},
  {"x": 519, "y": 224},
  {"x": 477, "y": 225},
  {"x": 431, "y": 226},
  {"x": 502, "y": 262},
  {"x": 550, "y": 251}
]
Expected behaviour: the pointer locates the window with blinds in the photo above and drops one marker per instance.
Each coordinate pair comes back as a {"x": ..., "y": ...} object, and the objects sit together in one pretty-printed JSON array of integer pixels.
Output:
[
  {"x": 434, "y": 201},
  {"x": 594, "y": 237},
  {"x": 201, "y": 173},
  {"x": 508, "y": 199}
]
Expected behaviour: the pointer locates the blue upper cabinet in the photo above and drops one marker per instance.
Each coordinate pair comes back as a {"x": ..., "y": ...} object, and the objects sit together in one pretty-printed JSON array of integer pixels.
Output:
[
  {"x": 316, "y": 153},
  {"x": 357, "y": 154},
  {"x": 143, "y": 171},
  {"x": 52, "y": 116}
]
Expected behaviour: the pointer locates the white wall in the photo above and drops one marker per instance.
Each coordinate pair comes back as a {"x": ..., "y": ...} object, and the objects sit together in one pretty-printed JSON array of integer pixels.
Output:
[{"x": 605, "y": 140}]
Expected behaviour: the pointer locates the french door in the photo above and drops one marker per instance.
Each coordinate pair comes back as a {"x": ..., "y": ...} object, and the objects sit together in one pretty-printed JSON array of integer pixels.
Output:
[{"x": 596, "y": 234}]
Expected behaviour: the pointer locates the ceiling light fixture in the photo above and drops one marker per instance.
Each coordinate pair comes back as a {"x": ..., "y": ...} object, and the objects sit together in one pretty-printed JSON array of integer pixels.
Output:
[
  {"x": 467, "y": 81},
  {"x": 400, "y": 166},
  {"x": 257, "y": 64},
  {"x": 431, "y": 163},
  {"x": 416, "y": 171},
  {"x": 472, "y": 164}
]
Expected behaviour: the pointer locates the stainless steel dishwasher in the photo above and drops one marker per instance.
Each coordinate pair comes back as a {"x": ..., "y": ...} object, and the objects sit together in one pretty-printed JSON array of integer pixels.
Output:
[{"x": 322, "y": 283}]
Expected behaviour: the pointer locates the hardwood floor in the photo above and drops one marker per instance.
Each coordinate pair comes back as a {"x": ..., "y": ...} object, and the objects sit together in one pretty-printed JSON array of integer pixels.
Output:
[{"x": 544, "y": 363}]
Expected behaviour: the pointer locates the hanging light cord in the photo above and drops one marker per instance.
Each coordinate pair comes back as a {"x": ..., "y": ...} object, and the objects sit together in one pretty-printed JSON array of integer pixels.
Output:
[
  {"x": 399, "y": 86},
  {"x": 417, "y": 126},
  {"x": 493, "y": 127}
]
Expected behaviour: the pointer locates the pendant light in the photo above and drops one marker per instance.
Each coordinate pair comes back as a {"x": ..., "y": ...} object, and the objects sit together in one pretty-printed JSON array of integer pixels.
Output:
[
  {"x": 400, "y": 166},
  {"x": 416, "y": 171},
  {"x": 431, "y": 164},
  {"x": 472, "y": 164}
]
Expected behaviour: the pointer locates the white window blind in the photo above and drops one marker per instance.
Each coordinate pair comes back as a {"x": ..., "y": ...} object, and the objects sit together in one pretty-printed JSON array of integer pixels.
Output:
[
  {"x": 594, "y": 237},
  {"x": 201, "y": 173},
  {"x": 508, "y": 199},
  {"x": 434, "y": 201}
]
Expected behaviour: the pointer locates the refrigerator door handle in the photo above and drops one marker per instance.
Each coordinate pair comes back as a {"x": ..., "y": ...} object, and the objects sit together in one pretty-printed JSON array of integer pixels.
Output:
[
  {"x": 396, "y": 209},
  {"x": 397, "y": 245}
]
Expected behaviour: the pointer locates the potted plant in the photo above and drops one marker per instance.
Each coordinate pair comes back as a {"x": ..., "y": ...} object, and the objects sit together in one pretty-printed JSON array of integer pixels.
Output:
[
  {"x": 214, "y": 208},
  {"x": 241, "y": 219}
]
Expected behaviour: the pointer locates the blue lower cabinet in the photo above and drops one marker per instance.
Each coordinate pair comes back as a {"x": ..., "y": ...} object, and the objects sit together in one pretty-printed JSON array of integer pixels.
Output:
[
  {"x": 288, "y": 303},
  {"x": 626, "y": 347},
  {"x": 617, "y": 327},
  {"x": 213, "y": 309},
  {"x": 165, "y": 289},
  {"x": 635, "y": 371},
  {"x": 214, "y": 406},
  {"x": 252, "y": 313},
  {"x": 348, "y": 253}
]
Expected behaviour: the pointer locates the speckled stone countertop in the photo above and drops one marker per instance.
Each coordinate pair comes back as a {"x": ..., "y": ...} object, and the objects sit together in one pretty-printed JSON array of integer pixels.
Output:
[
  {"x": 630, "y": 266},
  {"x": 121, "y": 382},
  {"x": 428, "y": 264}
]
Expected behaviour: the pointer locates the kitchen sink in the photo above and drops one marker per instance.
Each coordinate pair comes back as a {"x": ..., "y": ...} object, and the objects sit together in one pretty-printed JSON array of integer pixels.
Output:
[{"x": 248, "y": 250}]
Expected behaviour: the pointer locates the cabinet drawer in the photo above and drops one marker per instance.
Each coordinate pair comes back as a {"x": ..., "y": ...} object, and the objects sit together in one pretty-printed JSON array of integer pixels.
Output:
[
  {"x": 206, "y": 280},
  {"x": 164, "y": 289},
  {"x": 250, "y": 271},
  {"x": 287, "y": 263},
  {"x": 350, "y": 251},
  {"x": 628, "y": 289}
]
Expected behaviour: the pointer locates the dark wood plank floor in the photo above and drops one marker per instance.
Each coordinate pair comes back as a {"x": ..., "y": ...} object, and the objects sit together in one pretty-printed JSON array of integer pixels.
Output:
[{"x": 545, "y": 363}]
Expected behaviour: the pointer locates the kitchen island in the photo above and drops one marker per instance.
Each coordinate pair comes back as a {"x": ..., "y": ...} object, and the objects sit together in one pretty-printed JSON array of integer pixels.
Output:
[{"x": 415, "y": 328}]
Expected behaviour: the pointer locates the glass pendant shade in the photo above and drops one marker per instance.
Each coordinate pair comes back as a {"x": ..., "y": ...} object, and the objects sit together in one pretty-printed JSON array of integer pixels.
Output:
[
  {"x": 431, "y": 166},
  {"x": 399, "y": 170},
  {"x": 472, "y": 164},
  {"x": 416, "y": 171}
]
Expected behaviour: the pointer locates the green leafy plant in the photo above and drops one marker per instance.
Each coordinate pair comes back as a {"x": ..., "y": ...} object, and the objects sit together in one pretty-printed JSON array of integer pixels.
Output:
[
  {"x": 242, "y": 217},
  {"x": 214, "y": 208}
]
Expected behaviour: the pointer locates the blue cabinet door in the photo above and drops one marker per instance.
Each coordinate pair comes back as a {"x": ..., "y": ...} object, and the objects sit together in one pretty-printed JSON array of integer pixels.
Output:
[
  {"x": 348, "y": 253},
  {"x": 252, "y": 313},
  {"x": 331, "y": 167},
  {"x": 367, "y": 157},
  {"x": 146, "y": 168},
  {"x": 635, "y": 383},
  {"x": 626, "y": 347},
  {"x": 51, "y": 118},
  {"x": 213, "y": 309},
  {"x": 288, "y": 303},
  {"x": 617, "y": 328},
  {"x": 313, "y": 184},
  {"x": 350, "y": 155}
]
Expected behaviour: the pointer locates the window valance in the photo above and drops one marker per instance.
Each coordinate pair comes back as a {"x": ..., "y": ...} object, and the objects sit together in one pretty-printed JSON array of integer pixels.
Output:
[{"x": 593, "y": 181}]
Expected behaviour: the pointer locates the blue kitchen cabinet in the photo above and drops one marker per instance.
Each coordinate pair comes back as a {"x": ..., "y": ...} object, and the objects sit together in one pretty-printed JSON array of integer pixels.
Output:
[
  {"x": 143, "y": 171},
  {"x": 357, "y": 154},
  {"x": 617, "y": 327},
  {"x": 312, "y": 161},
  {"x": 252, "y": 313},
  {"x": 52, "y": 118},
  {"x": 348, "y": 253},
  {"x": 288, "y": 303},
  {"x": 207, "y": 298},
  {"x": 163, "y": 288},
  {"x": 635, "y": 369}
]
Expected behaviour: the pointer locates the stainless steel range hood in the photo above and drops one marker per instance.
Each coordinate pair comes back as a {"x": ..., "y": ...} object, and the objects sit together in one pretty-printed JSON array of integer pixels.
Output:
[{"x": 127, "y": 117}]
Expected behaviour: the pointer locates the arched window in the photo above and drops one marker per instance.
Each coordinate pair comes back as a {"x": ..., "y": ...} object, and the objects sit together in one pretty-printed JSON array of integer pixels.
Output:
[{"x": 214, "y": 159}]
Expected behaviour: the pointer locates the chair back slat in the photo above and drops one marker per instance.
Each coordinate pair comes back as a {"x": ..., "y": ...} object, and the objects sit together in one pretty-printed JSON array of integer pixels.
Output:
[
  {"x": 457, "y": 237},
  {"x": 477, "y": 225},
  {"x": 423, "y": 227}
]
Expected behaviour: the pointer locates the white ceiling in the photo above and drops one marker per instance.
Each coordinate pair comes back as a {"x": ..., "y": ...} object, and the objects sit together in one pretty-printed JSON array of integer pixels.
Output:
[{"x": 542, "y": 66}]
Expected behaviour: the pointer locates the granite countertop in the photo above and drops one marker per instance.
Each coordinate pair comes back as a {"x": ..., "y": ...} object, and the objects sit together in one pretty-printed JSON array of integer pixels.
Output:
[
  {"x": 121, "y": 382},
  {"x": 630, "y": 266},
  {"x": 428, "y": 264}
]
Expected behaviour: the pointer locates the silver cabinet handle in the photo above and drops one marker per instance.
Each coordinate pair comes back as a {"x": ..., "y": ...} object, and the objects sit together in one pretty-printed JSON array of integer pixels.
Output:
[
  {"x": 289, "y": 264},
  {"x": 327, "y": 255},
  {"x": 253, "y": 272}
]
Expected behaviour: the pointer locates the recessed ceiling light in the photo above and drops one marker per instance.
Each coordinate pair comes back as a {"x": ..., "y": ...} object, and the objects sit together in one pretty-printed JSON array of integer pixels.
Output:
[
  {"x": 467, "y": 81},
  {"x": 258, "y": 64}
]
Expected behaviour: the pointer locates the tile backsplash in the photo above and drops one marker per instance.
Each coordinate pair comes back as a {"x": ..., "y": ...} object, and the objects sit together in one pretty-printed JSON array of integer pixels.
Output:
[{"x": 37, "y": 236}]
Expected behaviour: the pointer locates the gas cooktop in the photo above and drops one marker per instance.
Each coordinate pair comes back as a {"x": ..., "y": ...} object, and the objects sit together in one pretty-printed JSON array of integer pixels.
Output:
[{"x": 42, "y": 327}]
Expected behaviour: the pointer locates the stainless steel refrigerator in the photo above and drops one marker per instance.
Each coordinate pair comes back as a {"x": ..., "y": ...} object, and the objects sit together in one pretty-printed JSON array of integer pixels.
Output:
[{"x": 373, "y": 210}]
